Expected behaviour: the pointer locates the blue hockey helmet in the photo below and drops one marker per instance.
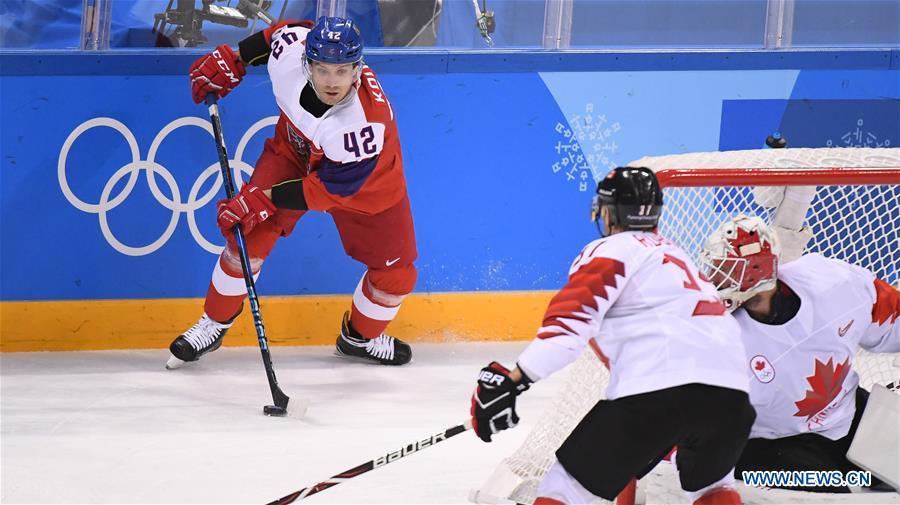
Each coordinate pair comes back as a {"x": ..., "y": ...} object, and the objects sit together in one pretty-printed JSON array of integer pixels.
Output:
[{"x": 334, "y": 40}]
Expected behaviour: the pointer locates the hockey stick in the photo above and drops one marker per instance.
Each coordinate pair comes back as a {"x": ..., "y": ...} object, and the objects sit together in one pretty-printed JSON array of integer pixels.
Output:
[
  {"x": 390, "y": 457},
  {"x": 280, "y": 399}
]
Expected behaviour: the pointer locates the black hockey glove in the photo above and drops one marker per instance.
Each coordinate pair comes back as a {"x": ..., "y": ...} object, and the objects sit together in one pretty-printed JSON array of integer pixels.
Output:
[{"x": 494, "y": 401}]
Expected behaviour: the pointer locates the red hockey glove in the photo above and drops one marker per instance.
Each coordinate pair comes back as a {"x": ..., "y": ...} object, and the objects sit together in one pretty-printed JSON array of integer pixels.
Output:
[
  {"x": 249, "y": 208},
  {"x": 218, "y": 72},
  {"x": 494, "y": 401}
]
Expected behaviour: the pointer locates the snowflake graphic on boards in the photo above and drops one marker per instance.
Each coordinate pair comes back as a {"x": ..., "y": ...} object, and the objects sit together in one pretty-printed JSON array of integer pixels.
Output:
[
  {"x": 586, "y": 147},
  {"x": 859, "y": 137}
]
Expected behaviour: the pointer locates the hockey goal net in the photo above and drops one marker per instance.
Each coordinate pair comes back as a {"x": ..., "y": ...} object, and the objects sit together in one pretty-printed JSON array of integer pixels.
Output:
[{"x": 851, "y": 210}]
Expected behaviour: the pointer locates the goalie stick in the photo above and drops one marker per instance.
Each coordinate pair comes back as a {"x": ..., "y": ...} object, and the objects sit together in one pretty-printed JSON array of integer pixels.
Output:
[
  {"x": 390, "y": 457},
  {"x": 279, "y": 409}
]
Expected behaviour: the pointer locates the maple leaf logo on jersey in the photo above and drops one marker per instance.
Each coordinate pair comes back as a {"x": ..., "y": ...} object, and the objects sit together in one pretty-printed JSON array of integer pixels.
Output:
[
  {"x": 588, "y": 282},
  {"x": 826, "y": 382}
]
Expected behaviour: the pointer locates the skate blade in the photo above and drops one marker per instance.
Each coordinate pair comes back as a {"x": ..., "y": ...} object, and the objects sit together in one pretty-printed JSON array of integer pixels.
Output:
[
  {"x": 357, "y": 359},
  {"x": 367, "y": 361},
  {"x": 174, "y": 363}
]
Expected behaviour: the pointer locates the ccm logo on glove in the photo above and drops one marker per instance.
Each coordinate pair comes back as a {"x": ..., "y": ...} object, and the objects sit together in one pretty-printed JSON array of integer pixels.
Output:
[{"x": 226, "y": 69}]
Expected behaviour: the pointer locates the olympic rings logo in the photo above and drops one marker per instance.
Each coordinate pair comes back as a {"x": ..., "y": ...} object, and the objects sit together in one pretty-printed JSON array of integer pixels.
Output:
[{"x": 132, "y": 170}]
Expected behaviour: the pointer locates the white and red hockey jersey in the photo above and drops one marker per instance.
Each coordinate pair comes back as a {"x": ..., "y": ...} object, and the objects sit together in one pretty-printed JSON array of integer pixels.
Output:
[
  {"x": 656, "y": 322},
  {"x": 802, "y": 372},
  {"x": 353, "y": 148}
]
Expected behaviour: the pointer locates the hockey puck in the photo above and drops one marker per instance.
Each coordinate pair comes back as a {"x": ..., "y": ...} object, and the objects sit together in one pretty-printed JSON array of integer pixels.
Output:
[
  {"x": 776, "y": 141},
  {"x": 274, "y": 411}
]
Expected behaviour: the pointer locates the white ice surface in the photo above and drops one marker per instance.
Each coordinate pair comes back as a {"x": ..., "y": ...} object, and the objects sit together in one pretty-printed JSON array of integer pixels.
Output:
[{"x": 116, "y": 427}]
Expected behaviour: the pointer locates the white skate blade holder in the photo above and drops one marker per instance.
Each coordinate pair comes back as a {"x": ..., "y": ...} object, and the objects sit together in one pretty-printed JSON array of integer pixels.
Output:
[{"x": 174, "y": 363}]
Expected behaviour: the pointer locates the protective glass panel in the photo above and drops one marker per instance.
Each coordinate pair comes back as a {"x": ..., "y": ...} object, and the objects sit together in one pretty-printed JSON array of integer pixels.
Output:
[
  {"x": 661, "y": 23},
  {"x": 454, "y": 24},
  {"x": 856, "y": 23}
]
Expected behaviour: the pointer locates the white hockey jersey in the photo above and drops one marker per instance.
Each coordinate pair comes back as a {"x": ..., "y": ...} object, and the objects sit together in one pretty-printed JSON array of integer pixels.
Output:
[
  {"x": 353, "y": 149},
  {"x": 327, "y": 132},
  {"x": 802, "y": 376},
  {"x": 656, "y": 322}
]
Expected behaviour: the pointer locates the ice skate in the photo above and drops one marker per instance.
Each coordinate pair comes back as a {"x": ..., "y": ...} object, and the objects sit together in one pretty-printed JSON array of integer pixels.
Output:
[
  {"x": 204, "y": 337},
  {"x": 383, "y": 350}
]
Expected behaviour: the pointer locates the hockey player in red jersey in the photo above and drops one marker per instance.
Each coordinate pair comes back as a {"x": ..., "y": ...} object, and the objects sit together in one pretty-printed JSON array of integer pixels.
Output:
[
  {"x": 336, "y": 149},
  {"x": 673, "y": 353},
  {"x": 802, "y": 324}
]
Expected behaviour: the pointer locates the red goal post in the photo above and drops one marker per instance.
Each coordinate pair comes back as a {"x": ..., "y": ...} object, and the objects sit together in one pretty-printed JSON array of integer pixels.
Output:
[
  {"x": 846, "y": 198},
  {"x": 833, "y": 176}
]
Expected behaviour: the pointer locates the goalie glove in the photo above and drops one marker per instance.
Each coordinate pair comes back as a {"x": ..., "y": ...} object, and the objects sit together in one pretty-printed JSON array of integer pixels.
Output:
[{"x": 494, "y": 401}]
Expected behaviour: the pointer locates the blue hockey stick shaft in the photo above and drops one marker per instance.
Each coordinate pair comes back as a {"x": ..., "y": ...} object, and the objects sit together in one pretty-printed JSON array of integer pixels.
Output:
[{"x": 278, "y": 396}]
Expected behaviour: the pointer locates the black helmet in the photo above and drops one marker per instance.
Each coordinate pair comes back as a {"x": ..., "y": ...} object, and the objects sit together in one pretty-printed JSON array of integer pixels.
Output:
[{"x": 633, "y": 199}]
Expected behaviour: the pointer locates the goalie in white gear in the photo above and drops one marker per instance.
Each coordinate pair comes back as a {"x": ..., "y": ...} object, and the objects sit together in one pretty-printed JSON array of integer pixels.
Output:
[
  {"x": 673, "y": 352},
  {"x": 802, "y": 324}
]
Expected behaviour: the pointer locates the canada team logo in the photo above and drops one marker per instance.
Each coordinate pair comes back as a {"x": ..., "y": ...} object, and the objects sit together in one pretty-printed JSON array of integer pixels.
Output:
[
  {"x": 762, "y": 369},
  {"x": 152, "y": 171}
]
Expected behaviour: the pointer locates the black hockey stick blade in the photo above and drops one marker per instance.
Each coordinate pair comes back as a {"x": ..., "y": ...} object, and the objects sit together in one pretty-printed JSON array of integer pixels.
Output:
[{"x": 378, "y": 462}]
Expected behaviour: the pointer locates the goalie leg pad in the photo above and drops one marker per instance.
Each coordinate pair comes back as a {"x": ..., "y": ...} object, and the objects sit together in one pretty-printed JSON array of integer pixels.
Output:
[
  {"x": 876, "y": 443},
  {"x": 804, "y": 452}
]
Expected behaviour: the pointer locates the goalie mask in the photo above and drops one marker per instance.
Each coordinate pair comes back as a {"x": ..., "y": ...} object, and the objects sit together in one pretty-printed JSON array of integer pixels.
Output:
[
  {"x": 632, "y": 199},
  {"x": 741, "y": 259}
]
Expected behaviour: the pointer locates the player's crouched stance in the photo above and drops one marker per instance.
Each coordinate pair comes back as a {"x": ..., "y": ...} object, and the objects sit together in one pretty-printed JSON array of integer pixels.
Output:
[
  {"x": 802, "y": 324},
  {"x": 336, "y": 149},
  {"x": 674, "y": 356}
]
